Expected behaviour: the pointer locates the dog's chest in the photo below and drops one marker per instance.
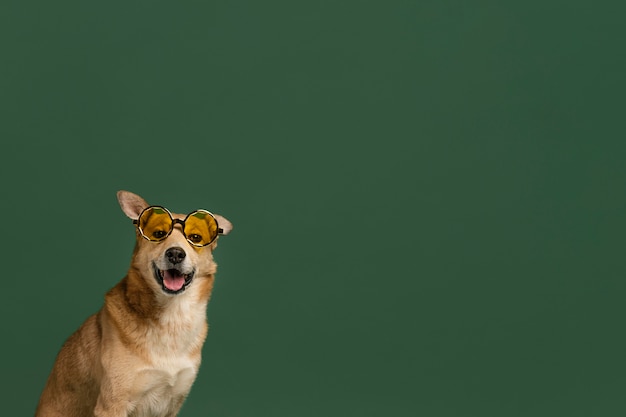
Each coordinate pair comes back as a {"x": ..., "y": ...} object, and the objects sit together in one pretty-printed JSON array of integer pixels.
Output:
[
  {"x": 161, "y": 386},
  {"x": 161, "y": 389}
]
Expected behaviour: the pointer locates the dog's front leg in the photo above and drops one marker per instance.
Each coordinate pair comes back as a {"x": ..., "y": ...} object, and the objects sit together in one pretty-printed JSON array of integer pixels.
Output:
[
  {"x": 112, "y": 401},
  {"x": 104, "y": 411},
  {"x": 106, "y": 408}
]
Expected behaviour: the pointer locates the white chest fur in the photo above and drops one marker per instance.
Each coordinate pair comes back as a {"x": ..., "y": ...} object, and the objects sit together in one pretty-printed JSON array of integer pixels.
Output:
[
  {"x": 161, "y": 391},
  {"x": 161, "y": 386}
]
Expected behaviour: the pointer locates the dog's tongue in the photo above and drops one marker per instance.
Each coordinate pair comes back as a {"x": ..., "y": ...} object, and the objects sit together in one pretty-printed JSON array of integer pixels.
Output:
[{"x": 173, "y": 279}]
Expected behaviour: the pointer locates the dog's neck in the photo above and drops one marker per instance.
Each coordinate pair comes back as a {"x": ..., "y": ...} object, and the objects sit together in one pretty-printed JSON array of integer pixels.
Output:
[{"x": 181, "y": 317}]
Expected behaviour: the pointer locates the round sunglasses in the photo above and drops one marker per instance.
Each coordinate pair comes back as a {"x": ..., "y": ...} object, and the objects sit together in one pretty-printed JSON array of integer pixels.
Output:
[{"x": 200, "y": 228}]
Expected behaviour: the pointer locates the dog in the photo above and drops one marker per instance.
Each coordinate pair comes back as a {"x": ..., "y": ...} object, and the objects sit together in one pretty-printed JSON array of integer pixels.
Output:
[{"x": 139, "y": 355}]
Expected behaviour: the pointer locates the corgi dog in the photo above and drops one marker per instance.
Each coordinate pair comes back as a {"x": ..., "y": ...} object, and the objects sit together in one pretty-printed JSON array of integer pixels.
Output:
[{"x": 139, "y": 355}]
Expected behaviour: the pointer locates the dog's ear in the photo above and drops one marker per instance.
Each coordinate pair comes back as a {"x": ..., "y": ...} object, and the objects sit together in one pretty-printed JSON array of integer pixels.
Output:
[
  {"x": 132, "y": 205},
  {"x": 224, "y": 224}
]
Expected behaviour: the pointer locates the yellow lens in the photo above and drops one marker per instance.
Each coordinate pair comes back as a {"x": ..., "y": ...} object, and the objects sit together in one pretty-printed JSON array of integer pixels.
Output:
[
  {"x": 155, "y": 223},
  {"x": 200, "y": 228}
]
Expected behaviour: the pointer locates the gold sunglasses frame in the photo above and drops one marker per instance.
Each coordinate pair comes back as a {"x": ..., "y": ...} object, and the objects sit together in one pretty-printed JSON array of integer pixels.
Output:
[{"x": 178, "y": 221}]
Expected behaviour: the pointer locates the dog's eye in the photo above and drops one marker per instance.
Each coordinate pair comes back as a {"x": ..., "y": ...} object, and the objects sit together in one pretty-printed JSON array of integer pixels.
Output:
[
  {"x": 159, "y": 234},
  {"x": 195, "y": 238}
]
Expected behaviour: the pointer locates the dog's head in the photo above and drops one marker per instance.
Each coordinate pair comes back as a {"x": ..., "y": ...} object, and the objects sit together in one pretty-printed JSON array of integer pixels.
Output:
[{"x": 170, "y": 263}]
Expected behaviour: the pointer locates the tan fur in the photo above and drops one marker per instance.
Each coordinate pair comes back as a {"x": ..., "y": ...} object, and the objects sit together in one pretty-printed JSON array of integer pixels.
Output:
[{"x": 139, "y": 355}]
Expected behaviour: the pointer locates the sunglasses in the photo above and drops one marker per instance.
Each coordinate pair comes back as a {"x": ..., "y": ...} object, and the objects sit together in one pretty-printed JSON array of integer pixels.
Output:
[{"x": 156, "y": 223}]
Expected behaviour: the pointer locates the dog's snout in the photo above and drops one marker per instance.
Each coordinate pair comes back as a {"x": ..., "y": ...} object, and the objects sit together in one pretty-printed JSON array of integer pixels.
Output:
[{"x": 175, "y": 255}]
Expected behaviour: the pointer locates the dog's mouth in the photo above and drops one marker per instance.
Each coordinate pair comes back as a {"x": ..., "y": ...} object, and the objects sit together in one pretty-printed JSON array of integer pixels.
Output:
[{"x": 172, "y": 280}]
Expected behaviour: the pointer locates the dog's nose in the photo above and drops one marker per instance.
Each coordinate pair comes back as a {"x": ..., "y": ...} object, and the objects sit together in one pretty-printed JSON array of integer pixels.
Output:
[{"x": 175, "y": 255}]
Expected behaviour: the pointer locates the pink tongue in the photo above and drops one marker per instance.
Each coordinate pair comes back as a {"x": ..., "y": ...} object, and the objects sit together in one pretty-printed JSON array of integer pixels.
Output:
[{"x": 173, "y": 282}]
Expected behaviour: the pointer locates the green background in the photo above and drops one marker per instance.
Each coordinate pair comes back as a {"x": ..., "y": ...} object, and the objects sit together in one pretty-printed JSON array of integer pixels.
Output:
[{"x": 428, "y": 196}]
